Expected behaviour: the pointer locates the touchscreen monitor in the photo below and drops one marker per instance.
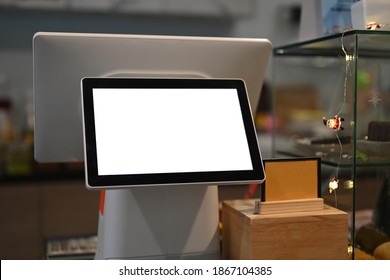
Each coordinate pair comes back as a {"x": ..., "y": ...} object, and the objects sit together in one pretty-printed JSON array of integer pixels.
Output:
[{"x": 147, "y": 132}]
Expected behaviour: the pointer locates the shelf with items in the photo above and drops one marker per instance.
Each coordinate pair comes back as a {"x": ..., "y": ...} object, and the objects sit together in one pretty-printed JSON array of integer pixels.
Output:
[{"x": 332, "y": 100}]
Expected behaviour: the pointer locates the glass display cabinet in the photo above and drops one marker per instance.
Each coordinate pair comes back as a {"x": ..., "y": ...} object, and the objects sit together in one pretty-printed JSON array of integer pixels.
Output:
[{"x": 332, "y": 100}]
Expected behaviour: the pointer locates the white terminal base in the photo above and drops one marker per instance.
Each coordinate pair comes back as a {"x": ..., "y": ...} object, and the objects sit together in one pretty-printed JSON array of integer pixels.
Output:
[{"x": 164, "y": 222}]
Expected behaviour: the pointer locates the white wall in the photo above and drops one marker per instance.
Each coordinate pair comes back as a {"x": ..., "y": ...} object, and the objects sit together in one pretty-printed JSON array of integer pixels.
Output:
[{"x": 269, "y": 20}]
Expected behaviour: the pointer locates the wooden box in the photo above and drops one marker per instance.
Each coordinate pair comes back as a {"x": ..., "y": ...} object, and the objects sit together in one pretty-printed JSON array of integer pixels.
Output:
[{"x": 312, "y": 234}]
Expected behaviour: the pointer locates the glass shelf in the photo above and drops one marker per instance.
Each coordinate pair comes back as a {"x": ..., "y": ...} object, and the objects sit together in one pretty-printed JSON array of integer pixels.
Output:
[{"x": 371, "y": 44}]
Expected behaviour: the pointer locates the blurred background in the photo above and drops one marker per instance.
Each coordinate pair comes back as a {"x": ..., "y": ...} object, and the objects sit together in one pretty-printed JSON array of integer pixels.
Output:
[{"x": 39, "y": 202}]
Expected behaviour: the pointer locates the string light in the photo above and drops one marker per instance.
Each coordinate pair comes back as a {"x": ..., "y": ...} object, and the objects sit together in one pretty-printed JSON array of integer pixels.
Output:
[
  {"x": 373, "y": 25},
  {"x": 335, "y": 123}
]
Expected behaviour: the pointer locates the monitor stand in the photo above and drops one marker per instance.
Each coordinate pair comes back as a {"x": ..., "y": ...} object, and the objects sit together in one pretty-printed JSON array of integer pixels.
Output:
[{"x": 164, "y": 222}]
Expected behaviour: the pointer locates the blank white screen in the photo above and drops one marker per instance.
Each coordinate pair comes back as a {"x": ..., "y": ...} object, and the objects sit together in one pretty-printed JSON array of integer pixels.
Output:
[{"x": 142, "y": 131}]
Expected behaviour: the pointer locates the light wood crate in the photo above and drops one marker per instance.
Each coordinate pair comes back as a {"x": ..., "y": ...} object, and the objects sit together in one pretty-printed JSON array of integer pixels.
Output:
[{"x": 313, "y": 234}]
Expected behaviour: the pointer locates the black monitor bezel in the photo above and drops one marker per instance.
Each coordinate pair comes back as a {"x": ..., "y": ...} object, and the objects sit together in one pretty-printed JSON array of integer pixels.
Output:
[{"x": 96, "y": 181}]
